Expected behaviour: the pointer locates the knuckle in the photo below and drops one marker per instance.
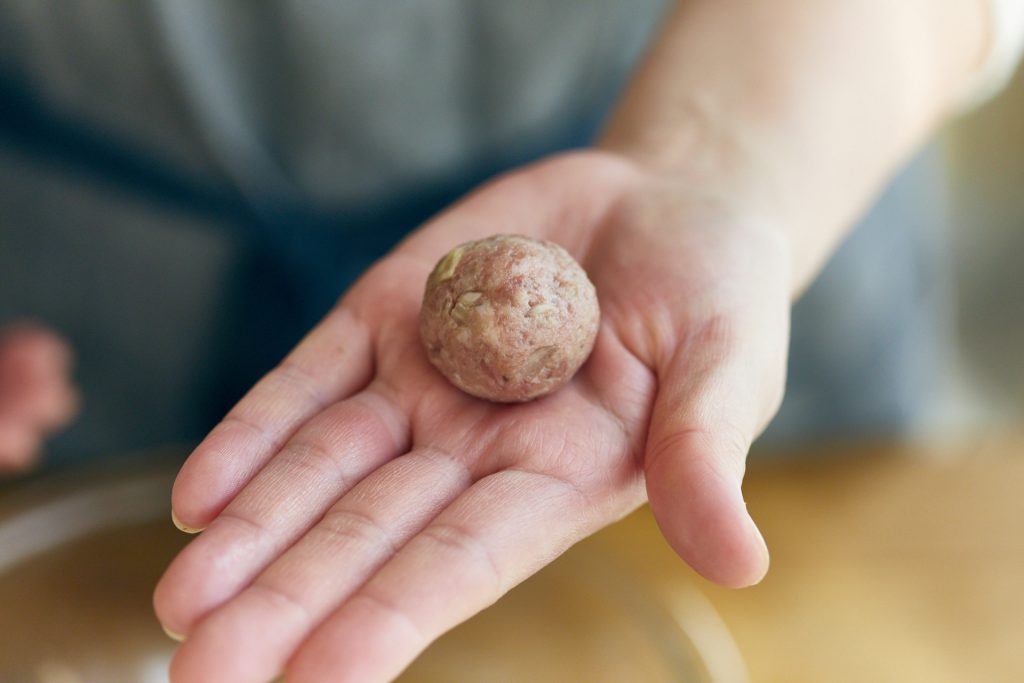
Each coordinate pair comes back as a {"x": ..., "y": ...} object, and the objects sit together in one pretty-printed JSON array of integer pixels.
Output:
[
  {"x": 241, "y": 420},
  {"x": 346, "y": 526},
  {"x": 454, "y": 538},
  {"x": 310, "y": 460},
  {"x": 290, "y": 373},
  {"x": 281, "y": 600},
  {"x": 724, "y": 446},
  {"x": 382, "y": 604}
]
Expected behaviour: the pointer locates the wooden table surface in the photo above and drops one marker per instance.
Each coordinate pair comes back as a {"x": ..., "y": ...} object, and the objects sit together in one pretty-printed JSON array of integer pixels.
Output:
[{"x": 889, "y": 563}]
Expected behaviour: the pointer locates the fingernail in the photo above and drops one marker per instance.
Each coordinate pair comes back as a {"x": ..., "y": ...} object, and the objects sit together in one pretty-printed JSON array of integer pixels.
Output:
[
  {"x": 182, "y": 527},
  {"x": 172, "y": 635}
]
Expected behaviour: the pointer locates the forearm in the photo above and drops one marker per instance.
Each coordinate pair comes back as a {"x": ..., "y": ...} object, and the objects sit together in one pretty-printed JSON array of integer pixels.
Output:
[{"x": 805, "y": 106}]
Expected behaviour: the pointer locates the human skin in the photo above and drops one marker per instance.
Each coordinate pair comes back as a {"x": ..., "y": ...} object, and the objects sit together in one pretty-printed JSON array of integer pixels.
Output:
[
  {"x": 36, "y": 395},
  {"x": 357, "y": 505}
]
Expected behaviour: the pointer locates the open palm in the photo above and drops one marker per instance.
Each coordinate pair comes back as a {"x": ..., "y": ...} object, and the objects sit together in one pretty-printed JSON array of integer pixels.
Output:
[{"x": 357, "y": 505}]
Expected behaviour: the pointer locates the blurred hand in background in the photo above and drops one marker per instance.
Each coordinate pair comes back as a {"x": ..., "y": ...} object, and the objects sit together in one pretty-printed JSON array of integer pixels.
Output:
[{"x": 36, "y": 393}]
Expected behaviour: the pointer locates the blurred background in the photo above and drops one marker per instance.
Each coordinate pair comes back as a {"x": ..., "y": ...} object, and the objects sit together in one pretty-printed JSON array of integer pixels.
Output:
[
  {"x": 985, "y": 153},
  {"x": 185, "y": 188},
  {"x": 184, "y": 216}
]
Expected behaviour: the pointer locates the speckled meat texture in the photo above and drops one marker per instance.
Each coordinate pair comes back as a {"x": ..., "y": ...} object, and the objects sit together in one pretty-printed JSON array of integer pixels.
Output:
[{"x": 508, "y": 318}]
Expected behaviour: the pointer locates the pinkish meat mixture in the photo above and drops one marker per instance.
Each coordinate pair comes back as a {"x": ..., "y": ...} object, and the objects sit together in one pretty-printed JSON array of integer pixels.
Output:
[{"x": 508, "y": 318}]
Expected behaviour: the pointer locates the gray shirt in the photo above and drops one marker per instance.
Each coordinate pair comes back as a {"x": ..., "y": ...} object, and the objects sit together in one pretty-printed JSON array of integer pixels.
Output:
[{"x": 150, "y": 139}]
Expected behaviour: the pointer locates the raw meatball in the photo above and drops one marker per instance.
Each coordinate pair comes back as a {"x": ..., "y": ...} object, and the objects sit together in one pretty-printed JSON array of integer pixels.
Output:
[{"x": 508, "y": 318}]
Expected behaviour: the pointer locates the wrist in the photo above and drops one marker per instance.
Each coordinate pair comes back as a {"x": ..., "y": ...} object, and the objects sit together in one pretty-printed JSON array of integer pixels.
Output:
[{"x": 709, "y": 157}]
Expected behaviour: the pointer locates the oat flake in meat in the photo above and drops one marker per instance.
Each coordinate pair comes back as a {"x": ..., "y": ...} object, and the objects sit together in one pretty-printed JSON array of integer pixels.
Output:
[{"x": 508, "y": 318}]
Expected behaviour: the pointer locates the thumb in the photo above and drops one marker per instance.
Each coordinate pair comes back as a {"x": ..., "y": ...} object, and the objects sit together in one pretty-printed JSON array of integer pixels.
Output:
[{"x": 713, "y": 400}]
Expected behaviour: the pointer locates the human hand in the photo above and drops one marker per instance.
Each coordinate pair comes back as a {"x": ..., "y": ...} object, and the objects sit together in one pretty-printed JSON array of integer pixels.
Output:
[
  {"x": 36, "y": 396},
  {"x": 357, "y": 505}
]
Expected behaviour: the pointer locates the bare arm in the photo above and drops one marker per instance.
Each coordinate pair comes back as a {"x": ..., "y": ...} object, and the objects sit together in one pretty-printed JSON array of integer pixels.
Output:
[{"x": 805, "y": 106}]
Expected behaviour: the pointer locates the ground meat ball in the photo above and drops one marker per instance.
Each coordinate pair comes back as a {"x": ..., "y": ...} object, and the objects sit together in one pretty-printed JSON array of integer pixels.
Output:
[{"x": 508, "y": 318}]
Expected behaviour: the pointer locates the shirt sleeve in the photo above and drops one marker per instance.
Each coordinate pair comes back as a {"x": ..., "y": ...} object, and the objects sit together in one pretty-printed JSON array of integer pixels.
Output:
[{"x": 1006, "y": 45}]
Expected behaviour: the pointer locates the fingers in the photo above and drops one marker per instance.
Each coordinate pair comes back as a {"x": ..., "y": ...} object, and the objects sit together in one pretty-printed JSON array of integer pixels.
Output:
[
  {"x": 331, "y": 363},
  {"x": 504, "y": 528},
  {"x": 252, "y": 637},
  {"x": 34, "y": 383},
  {"x": 323, "y": 460},
  {"x": 36, "y": 396},
  {"x": 716, "y": 394}
]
